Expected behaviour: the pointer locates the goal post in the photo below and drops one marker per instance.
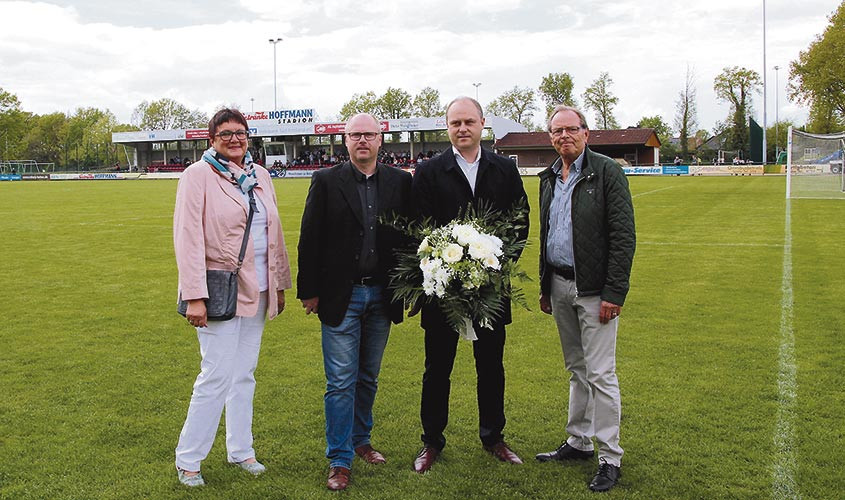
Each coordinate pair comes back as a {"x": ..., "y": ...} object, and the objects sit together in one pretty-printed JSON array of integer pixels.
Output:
[{"x": 814, "y": 165}]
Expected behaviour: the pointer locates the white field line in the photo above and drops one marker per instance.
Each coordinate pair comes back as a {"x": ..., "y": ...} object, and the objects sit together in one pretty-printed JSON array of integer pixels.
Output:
[
  {"x": 784, "y": 466},
  {"x": 652, "y": 191},
  {"x": 705, "y": 244}
]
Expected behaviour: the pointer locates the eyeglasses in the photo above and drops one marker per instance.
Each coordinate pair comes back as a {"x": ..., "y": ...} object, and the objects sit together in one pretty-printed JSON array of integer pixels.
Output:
[
  {"x": 569, "y": 130},
  {"x": 356, "y": 136},
  {"x": 226, "y": 135}
]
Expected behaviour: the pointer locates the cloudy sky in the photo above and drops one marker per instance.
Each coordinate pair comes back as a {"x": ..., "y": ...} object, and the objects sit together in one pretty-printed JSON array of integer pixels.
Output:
[{"x": 58, "y": 55}]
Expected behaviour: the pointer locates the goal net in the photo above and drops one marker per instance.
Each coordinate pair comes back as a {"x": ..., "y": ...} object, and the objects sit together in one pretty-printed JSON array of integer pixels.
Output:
[{"x": 814, "y": 166}]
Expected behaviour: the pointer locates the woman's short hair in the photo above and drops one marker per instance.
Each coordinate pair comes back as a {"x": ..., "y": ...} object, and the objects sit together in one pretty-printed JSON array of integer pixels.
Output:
[{"x": 223, "y": 116}]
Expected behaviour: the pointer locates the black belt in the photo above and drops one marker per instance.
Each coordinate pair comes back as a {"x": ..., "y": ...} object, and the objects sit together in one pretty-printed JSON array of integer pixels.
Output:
[
  {"x": 366, "y": 281},
  {"x": 565, "y": 272}
]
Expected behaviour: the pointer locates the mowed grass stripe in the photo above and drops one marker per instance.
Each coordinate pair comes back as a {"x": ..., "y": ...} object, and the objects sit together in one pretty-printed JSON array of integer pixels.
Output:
[{"x": 784, "y": 485}]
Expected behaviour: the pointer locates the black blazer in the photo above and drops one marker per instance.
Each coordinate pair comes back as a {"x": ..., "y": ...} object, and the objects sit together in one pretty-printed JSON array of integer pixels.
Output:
[
  {"x": 332, "y": 234},
  {"x": 441, "y": 191}
]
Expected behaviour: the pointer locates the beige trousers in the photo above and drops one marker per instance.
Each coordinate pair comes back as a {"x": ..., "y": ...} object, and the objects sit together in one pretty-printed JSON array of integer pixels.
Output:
[{"x": 589, "y": 354}]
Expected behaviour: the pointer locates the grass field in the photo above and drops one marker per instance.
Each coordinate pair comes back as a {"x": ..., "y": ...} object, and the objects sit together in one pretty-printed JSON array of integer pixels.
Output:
[{"x": 730, "y": 359}]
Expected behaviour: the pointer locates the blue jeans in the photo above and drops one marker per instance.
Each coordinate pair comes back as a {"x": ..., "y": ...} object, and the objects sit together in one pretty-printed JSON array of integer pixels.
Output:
[{"x": 352, "y": 353}]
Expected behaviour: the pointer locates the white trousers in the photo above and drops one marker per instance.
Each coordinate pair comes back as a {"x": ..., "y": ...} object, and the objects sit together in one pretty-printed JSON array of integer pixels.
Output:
[
  {"x": 229, "y": 352},
  {"x": 589, "y": 353}
]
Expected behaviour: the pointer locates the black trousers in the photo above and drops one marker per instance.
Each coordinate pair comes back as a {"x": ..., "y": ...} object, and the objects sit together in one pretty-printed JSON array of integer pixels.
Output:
[{"x": 440, "y": 348}]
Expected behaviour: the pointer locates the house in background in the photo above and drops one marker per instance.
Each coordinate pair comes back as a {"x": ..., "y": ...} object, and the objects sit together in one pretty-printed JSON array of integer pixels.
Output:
[{"x": 630, "y": 146}]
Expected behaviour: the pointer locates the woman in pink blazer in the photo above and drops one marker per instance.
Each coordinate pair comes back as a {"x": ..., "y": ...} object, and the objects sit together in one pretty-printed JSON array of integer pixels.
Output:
[{"x": 212, "y": 204}]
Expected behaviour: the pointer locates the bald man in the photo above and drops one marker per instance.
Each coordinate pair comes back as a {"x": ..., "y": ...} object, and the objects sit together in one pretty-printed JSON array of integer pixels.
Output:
[{"x": 344, "y": 260}]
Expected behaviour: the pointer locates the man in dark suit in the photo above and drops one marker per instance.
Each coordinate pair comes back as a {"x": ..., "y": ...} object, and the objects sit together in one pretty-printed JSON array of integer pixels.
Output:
[
  {"x": 344, "y": 259},
  {"x": 443, "y": 187}
]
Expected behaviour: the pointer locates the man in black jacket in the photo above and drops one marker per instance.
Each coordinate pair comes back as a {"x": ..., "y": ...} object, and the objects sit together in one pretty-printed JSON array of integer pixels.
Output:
[
  {"x": 587, "y": 243},
  {"x": 344, "y": 260},
  {"x": 443, "y": 187}
]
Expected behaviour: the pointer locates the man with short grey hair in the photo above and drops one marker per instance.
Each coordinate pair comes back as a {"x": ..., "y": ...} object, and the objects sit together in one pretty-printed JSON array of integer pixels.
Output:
[{"x": 587, "y": 243}]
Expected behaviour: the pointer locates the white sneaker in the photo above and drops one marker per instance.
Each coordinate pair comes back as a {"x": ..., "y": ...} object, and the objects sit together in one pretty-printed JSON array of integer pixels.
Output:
[
  {"x": 191, "y": 481},
  {"x": 254, "y": 468}
]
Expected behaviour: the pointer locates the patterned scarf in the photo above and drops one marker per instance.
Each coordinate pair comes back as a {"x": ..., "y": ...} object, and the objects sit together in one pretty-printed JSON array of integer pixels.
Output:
[{"x": 244, "y": 177}]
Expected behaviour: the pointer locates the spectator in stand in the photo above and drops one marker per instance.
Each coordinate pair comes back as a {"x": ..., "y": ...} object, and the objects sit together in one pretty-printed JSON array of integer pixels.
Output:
[{"x": 212, "y": 201}]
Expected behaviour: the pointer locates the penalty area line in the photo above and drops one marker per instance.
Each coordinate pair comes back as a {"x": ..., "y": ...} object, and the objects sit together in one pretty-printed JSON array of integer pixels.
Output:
[
  {"x": 784, "y": 466},
  {"x": 652, "y": 191}
]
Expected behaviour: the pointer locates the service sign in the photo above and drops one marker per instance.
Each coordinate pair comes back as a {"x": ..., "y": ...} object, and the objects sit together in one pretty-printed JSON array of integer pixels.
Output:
[{"x": 643, "y": 170}]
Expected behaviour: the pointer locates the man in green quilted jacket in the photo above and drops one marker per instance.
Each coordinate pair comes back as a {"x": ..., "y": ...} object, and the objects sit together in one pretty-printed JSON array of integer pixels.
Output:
[{"x": 587, "y": 242}]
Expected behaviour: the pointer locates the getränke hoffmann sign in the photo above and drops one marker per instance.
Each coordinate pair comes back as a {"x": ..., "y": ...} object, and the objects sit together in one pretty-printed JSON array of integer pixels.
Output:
[{"x": 284, "y": 115}]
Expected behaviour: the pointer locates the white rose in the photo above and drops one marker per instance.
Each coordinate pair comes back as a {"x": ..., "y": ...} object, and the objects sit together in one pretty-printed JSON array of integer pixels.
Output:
[
  {"x": 452, "y": 253},
  {"x": 464, "y": 233},
  {"x": 496, "y": 243},
  {"x": 481, "y": 248},
  {"x": 491, "y": 262},
  {"x": 424, "y": 246}
]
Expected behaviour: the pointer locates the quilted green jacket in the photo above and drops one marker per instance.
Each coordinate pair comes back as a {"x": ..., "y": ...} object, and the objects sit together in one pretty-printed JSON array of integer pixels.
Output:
[{"x": 602, "y": 228}]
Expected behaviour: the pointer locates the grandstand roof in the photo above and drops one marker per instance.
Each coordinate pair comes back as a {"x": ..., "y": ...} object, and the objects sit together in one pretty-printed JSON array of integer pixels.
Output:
[{"x": 626, "y": 136}]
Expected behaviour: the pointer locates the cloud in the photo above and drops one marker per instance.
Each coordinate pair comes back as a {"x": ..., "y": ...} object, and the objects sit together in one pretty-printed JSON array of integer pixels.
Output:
[{"x": 87, "y": 53}]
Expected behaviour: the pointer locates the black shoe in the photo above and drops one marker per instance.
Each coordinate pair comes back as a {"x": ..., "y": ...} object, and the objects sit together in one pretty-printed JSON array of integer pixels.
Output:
[
  {"x": 565, "y": 452},
  {"x": 607, "y": 476}
]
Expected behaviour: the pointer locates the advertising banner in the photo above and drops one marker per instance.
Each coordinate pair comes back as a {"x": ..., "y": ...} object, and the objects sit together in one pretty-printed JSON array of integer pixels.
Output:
[
  {"x": 643, "y": 170},
  {"x": 676, "y": 170},
  {"x": 10, "y": 177},
  {"x": 329, "y": 128},
  {"x": 36, "y": 177},
  {"x": 196, "y": 134},
  {"x": 102, "y": 176},
  {"x": 726, "y": 169}
]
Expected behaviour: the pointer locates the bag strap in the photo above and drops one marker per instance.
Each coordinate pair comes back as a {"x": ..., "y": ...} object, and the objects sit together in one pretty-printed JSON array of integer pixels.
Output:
[{"x": 252, "y": 210}]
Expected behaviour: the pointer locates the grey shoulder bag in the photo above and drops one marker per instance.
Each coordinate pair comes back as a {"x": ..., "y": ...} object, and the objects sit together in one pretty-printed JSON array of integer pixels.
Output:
[{"x": 222, "y": 301}]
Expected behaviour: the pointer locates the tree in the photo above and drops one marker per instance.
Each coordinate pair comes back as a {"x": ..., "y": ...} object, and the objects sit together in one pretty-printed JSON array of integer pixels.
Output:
[
  {"x": 599, "y": 98},
  {"x": 167, "y": 114},
  {"x": 394, "y": 103},
  {"x": 817, "y": 78},
  {"x": 556, "y": 88},
  {"x": 824, "y": 118},
  {"x": 13, "y": 126},
  {"x": 516, "y": 104},
  {"x": 661, "y": 128},
  {"x": 359, "y": 103},
  {"x": 686, "y": 119},
  {"x": 46, "y": 138},
  {"x": 735, "y": 86},
  {"x": 668, "y": 150},
  {"x": 427, "y": 103},
  {"x": 776, "y": 138}
]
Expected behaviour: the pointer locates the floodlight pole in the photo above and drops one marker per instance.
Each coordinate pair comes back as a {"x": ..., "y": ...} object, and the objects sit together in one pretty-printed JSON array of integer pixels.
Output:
[
  {"x": 777, "y": 94},
  {"x": 764, "y": 84},
  {"x": 274, "y": 42},
  {"x": 476, "y": 85}
]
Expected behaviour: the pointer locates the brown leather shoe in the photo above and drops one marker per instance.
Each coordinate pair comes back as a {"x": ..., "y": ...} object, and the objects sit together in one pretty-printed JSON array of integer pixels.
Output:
[
  {"x": 338, "y": 478},
  {"x": 501, "y": 451},
  {"x": 370, "y": 455},
  {"x": 425, "y": 459}
]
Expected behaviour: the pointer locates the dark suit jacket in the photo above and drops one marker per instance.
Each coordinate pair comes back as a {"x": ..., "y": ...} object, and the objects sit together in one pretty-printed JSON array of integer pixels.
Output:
[
  {"x": 332, "y": 234},
  {"x": 441, "y": 191}
]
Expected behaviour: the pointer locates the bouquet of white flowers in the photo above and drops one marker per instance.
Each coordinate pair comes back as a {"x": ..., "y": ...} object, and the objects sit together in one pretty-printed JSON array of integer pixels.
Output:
[{"x": 466, "y": 266}]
